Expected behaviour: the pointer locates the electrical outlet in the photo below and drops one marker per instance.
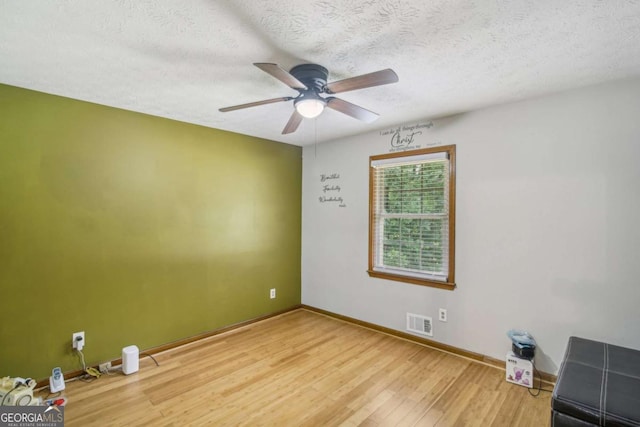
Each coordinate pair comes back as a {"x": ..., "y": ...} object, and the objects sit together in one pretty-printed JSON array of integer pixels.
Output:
[
  {"x": 77, "y": 340},
  {"x": 272, "y": 293},
  {"x": 104, "y": 367},
  {"x": 442, "y": 315}
]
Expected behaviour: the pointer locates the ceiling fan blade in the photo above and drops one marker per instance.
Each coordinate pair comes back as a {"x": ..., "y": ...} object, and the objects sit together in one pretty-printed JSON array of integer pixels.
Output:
[
  {"x": 293, "y": 123},
  {"x": 351, "y": 109},
  {"x": 281, "y": 74},
  {"x": 255, "y": 104},
  {"x": 376, "y": 78}
]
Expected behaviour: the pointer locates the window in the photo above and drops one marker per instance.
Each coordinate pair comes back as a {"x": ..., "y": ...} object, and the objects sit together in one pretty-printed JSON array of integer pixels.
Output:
[{"x": 412, "y": 216}]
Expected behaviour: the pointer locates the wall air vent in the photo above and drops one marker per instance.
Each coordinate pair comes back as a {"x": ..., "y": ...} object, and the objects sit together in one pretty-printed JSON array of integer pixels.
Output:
[{"x": 419, "y": 324}]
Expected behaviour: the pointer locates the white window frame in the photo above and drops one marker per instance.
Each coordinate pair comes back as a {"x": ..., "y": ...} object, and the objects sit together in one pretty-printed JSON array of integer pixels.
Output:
[{"x": 443, "y": 279}]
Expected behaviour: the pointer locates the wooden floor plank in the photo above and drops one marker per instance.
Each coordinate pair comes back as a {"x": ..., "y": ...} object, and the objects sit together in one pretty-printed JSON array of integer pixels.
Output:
[{"x": 304, "y": 368}]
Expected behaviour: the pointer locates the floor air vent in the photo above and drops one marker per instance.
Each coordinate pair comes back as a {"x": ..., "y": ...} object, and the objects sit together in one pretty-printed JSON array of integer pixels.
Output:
[{"x": 419, "y": 324}]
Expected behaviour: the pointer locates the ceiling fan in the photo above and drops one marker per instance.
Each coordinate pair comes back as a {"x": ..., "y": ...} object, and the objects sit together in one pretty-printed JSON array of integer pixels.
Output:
[{"x": 310, "y": 80}]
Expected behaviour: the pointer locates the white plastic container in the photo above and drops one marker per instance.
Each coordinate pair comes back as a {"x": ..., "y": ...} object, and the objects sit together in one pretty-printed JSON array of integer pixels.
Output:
[{"x": 130, "y": 359}]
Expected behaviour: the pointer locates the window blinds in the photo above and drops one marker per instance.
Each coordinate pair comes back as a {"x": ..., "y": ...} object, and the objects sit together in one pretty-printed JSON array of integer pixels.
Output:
[{"x": 411, "y": 216}]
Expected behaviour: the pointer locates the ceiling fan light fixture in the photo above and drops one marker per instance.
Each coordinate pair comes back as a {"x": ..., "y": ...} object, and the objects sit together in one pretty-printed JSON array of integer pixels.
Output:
[{"x": 310, "y": 107}]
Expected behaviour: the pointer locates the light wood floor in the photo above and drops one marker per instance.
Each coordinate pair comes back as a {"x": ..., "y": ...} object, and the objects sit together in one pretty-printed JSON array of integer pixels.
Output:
[{"x": 305, "y": 369}]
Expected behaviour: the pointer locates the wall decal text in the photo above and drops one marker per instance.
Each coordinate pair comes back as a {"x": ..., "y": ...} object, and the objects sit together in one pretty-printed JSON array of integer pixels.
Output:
[
  {"x": 405, "y": 137},
  {"x": 331, "y": 190}
]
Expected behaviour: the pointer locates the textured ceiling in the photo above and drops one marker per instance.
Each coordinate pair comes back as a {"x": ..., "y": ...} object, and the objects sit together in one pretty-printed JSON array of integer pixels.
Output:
[{"x": 184, "y": 60}]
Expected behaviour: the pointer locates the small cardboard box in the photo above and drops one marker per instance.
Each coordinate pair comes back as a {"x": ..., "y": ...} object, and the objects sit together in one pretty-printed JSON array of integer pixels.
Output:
[{"x": 519, "y": 371}]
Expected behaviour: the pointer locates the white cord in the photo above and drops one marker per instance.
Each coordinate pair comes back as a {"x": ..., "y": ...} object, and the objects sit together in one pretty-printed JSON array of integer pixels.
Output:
[{"x": 84, "y": 367}]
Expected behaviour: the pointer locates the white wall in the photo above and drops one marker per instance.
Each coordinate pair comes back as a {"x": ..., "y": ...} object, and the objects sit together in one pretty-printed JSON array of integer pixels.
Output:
[{"x": 548, "y": 240}]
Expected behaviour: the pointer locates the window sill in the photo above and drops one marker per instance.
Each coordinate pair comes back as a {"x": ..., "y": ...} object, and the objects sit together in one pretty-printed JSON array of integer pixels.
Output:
[{"x": 412, "y": 280}]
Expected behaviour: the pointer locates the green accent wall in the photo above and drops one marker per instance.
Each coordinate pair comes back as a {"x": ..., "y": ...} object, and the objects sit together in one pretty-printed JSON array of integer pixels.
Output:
[{"x": 135, "y": 229}]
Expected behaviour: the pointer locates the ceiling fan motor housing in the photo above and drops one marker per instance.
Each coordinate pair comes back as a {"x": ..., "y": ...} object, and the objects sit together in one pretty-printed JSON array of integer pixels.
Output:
[{"x": 314, "y": 76}]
